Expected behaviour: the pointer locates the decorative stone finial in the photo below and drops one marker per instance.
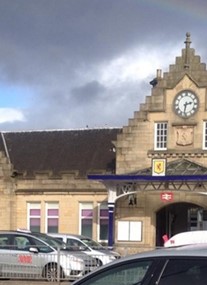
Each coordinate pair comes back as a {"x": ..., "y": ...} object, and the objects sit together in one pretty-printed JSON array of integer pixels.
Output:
[
  {"x": 187, "y": 47},
  {"x": 188, "y": 41}
]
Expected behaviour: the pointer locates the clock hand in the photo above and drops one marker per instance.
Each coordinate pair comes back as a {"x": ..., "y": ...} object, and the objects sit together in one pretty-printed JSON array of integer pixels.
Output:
[{"x": 186, "y": 104}]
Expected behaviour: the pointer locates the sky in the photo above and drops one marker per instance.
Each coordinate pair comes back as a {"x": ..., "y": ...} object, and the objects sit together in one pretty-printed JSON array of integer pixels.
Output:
[{"x": 75, "y": 64}]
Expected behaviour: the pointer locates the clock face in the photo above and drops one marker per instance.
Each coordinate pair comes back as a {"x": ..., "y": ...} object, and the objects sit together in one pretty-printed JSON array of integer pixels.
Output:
[{"x": 186, "y": 104}]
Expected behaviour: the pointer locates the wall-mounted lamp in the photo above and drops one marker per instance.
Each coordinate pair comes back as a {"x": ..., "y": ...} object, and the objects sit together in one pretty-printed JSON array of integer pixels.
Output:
[{"x": 132, "y": 200}]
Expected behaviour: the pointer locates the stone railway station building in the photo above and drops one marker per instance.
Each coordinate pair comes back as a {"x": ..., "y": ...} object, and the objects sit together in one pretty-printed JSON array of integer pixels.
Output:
[{"x": 123, "y": 186}]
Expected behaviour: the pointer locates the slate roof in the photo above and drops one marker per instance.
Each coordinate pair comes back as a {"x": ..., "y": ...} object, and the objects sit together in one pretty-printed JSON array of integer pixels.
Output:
[{"x": 85, "y": 151}]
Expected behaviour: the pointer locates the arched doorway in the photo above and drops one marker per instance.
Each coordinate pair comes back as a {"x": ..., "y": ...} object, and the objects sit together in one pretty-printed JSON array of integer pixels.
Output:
[{"x": 179, "y": 217}]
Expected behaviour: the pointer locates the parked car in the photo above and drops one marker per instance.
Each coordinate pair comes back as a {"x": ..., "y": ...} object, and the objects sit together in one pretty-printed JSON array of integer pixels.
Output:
[
  {"x": 29, "y": 255},
  {"x": 184, "y": 238},
  {"x": 90, "y": 262},
  {"x": 185, "y": 265},
  {"x": 102, "y": 254}
]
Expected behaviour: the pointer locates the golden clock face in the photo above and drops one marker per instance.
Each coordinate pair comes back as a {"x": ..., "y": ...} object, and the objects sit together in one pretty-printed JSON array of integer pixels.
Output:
[{"x": 186, "y": 103}]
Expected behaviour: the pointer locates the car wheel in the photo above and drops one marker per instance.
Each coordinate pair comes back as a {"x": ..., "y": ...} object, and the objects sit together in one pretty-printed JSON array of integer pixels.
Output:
[
  {"x": 51, "y": 273},
  {"x": 99, "y": 262}
]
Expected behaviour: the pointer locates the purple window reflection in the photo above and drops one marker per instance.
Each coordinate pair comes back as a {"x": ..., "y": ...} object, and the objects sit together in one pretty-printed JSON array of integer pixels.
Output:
[
  {"x": 53, "y": 212},
  {"x": 34, "y": 212},
  {"x": 34, "y": 221},
  {"x": 104, "y": 213},
  {"x": 52, "y": 222},
  {"x": 87, "y": 213}
]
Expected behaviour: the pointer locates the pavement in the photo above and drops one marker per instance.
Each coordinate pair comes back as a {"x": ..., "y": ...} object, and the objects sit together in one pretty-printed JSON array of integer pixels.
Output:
[{"x": 32, "y": 282}]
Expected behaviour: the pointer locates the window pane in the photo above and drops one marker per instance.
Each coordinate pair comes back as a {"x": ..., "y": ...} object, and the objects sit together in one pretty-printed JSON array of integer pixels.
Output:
[
  {"x": 126, "y": 274},
  {"x": 86, "y": 228},
  {"x": 86, "y": 222},
  {"x": 87, "y": 213},
  {"x": 34, "y": 216},
  {"x": 52, "y": 229},
  {"x": 185, "y": 271},
  {"x": 104, "y": 231},
  {"x": 52, "y": 222},
  {"x": 53, "y": 212},
  {"x": 35, "y": 228},
  {"x": 104, "y": 213},
  {"x": 34, "y": 212},
  {"x": 35, "y": 222},
  {"x": 161, "y": 135}
]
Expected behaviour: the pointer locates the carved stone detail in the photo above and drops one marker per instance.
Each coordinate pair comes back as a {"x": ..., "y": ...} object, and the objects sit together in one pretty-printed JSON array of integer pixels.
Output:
[{"x": 184, "y": 135}]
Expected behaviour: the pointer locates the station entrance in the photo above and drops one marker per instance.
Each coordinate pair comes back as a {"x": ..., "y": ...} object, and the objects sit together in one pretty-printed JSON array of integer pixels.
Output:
[{"x": 179, "y": 217}]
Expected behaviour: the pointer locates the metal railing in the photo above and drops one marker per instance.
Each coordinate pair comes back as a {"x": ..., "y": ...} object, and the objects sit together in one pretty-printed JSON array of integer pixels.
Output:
[{"x": 30, "y": 263}]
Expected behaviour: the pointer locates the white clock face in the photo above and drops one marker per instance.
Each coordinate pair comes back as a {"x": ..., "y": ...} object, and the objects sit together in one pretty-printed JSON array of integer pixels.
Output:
[{"x": 186, "y": 104}]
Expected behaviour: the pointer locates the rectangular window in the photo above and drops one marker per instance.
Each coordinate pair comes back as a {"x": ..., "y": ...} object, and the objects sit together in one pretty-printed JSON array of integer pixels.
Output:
[
  {"x": 34, "y": 216},
  {"x": 160, "y": 136},
  {"x": 52, "y": 217},
  {"x": 103, "y": 222},
  {"x": 129, "y": 231},
  {"x": 204, "y": 135},
  {"x": 86, "y": 216}
]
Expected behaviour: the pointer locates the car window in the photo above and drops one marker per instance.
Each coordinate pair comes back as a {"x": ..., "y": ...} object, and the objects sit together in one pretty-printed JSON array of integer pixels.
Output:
[
  {"x": 21, "y": 243},
  {"x": 41, "y": 246},
  {"x": 92, "y": 243},
  {"x": 74, "y": 244},
  {"x": 5, "y": 242},
  {"x": 183, "y": 272},
  {"x": 124, "y": 274}
]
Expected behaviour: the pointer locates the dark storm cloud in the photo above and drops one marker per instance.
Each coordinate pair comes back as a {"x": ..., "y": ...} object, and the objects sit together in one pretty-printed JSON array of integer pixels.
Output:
[
  {"x": 65, "y": 51},
  {"x": 88, "y": 93}
]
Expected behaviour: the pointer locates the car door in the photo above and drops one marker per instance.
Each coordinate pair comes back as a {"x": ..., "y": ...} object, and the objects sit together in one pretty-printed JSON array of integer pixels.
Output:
[
  {"x": 5, "y": 254},
  {"x": 23, "y": 262}
]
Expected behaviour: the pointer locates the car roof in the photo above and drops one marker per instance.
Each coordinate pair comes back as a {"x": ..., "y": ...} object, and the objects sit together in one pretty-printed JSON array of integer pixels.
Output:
[
  {"x": 190, "y": 237},
  {"x": 70, "y": 235},
  {"x": 184, "y": 250}
]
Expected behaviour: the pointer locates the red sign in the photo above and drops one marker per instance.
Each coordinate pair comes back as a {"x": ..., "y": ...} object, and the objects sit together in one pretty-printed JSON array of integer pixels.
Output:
[
  {"x": 25, "y": 258},
  {"x": 166, "y": 196}
]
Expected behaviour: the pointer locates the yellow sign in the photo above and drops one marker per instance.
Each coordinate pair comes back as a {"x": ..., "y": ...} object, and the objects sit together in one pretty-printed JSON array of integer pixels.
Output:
[{"x": 158, "y": 167}]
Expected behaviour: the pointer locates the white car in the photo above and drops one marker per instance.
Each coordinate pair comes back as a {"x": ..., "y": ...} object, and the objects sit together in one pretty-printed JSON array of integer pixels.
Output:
[
  {"x": 30, "y": 255},
  {"x": 102, "y": 254},
  {"x": 184, "y": 238}
]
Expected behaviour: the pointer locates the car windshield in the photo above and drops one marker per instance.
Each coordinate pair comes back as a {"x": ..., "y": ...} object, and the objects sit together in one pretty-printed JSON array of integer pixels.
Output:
[
  {"x": 55, "y": 243},
  {"x": 92, "y": 243}
]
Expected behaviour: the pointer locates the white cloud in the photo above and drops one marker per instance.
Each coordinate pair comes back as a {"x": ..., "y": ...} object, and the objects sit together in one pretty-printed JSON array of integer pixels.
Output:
[
  {"x": 136, "y": 64},
  {"x": 10, "y": 115}
]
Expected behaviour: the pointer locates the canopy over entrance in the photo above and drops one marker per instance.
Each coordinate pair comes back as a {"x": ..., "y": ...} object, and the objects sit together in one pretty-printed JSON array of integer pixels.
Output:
[{"x": 180, "y": 175}]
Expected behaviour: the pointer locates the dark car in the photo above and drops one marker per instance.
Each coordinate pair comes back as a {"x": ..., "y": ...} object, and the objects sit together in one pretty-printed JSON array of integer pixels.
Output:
[{"x": 185, "y": 265}]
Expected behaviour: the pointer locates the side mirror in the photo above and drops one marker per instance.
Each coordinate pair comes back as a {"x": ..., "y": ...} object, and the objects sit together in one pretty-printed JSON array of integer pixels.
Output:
[{"x": 33, "y": 250}]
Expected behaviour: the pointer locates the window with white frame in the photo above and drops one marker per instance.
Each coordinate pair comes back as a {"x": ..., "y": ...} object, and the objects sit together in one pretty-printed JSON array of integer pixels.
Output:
[
  {"x": 204, "y": 135},
  {"x": 160, "y": 136},
  {"x": 52, "y": 217},
  {"x": 103, "y": 222},
  {"x": 129, "y": 231},
  {"x": 86, "y": 219},
  {"x": 34, "y": 216}
]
